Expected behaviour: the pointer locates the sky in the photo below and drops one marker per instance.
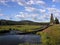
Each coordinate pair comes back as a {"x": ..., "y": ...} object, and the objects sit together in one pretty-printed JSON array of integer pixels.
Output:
[{"x": 34, "y": 10}]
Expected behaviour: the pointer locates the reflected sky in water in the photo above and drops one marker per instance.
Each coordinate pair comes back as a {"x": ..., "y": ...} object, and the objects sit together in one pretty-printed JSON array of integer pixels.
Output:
[{"x": 18, "y": 39}]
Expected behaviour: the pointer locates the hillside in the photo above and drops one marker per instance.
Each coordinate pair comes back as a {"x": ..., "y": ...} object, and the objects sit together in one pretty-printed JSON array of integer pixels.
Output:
[
  {"x": 22, "y": 22},
  {"x": 51, "y": 35}
]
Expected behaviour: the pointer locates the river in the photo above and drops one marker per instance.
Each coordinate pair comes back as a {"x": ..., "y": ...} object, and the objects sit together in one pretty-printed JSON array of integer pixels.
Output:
[{"x": 19, "y": 39}]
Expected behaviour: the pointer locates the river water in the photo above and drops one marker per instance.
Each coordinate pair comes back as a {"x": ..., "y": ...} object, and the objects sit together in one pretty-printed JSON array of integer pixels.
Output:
[{"x": 19, "y": 39}]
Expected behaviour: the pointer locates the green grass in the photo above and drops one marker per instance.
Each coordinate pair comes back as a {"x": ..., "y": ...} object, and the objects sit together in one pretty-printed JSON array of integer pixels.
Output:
[
  {"x": 51, "y": 35},
  {"x": 24, "y": 28}
]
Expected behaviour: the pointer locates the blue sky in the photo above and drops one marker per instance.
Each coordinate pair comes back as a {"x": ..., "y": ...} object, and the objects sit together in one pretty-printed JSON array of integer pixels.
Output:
[{"x": 34, "y": 10}]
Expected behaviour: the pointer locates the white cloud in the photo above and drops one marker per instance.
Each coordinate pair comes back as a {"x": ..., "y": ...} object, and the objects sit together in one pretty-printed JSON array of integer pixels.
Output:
[
  {"x": 55, "y": 11},
  {"x": 34, "y": 16},
  {"x": 42, "y": 10},
  {"x": 41, "y": 2},
  {"x": 20, "y": 2},
  {"x": 35, "y": 2},
  {"x": 29, "y": 2},
  {"x": 30, "y": 9},
  {"x": 55, "y": 0},
  {"x": 28, "y": 5},
  {"x": 24, "y": 2},
  {"x": 7, "y": 17},
  {"x": 23, "y": 15},
  {"x": 4, "y": 2},
  {"x": 1, "y": 14}
]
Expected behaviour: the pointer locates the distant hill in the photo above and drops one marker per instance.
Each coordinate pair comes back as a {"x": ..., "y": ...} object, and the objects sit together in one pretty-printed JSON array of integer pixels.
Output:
[{"x": 22, "y": 22}]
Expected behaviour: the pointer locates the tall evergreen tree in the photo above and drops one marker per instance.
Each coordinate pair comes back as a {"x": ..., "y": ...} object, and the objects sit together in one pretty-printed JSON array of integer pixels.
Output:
[
  {"x": 51, "y": 19},
  {"x": 56, "y": 21}
]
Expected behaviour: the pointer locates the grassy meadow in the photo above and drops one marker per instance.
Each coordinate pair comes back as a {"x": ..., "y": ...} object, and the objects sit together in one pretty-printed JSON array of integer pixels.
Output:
[
  {"x": 24, "y": 28},
  {"x": 51, "y": 35}
]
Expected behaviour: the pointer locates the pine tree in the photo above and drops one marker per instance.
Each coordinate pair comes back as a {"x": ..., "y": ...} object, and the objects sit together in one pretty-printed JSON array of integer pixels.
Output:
[
  {"x": 56, "y": 21},
  {"x": 51, "y": 19}
]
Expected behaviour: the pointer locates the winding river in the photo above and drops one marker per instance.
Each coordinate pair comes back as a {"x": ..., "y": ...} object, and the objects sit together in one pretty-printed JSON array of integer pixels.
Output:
[{"x": 19, "y": 39}]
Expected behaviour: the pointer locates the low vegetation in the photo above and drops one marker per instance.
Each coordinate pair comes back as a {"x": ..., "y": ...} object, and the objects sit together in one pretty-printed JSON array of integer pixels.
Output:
[
  {"x": 51, "y": 35},
  {"x": 24, "y": 28}
]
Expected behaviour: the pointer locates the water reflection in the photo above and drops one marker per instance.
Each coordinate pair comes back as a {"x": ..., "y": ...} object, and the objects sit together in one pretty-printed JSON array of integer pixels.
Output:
[{"x": 19, "y": 39}]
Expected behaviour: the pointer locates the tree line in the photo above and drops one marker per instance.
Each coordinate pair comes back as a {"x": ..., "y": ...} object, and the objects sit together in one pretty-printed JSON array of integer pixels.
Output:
[{"x": 23, "y": 22}]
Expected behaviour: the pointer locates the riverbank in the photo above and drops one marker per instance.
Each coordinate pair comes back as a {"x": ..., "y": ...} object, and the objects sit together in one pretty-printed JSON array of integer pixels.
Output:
[
  {"x": 22, "y": 28},
  {"x": 51, "y": 35}
]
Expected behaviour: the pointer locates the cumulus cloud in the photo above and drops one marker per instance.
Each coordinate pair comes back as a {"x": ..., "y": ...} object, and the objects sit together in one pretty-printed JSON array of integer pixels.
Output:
[
  {"x": 28, "y": 5},
  {"x": 30, "y": 9},
  {"x": 4, "y": 2},
  {"x": 29, "y": 2},
  {"x": 55, "y": 11},
  {"x": 20, "y": 2},
  {"x": 35, "y": 16},
  {"x": 7, "y": 17},
  {"x": 40, "y": 2},
  {"x": 20, "y": 15},
  {"x": 35, "y": 2},
  {"x": 1, "y": 14},
  {"x": 23, "y": 15},
  {"x": 55, "y": 0},
  {"x": 25, "y": 3},
  {"x": 42, "y": 10},
  {"x": 44, "y": 17}
]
